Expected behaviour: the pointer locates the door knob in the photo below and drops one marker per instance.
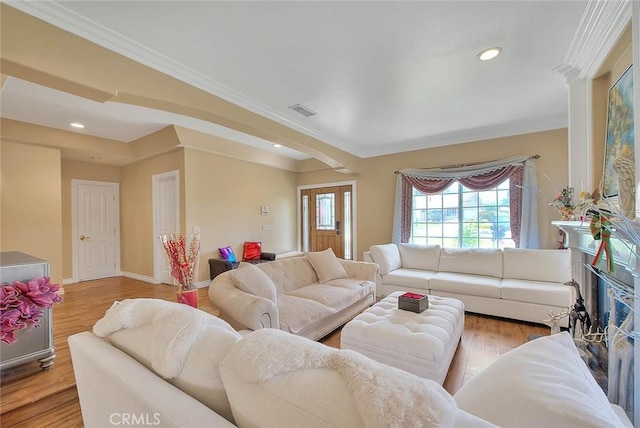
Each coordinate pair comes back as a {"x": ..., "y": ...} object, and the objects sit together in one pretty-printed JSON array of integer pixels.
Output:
[{"x": 82, "y": 237}]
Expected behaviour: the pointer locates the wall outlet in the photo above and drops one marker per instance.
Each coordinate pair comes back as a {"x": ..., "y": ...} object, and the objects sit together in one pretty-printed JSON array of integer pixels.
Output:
[
  {"x": 266, "y": 227},
  {"x": 196, "y": 229}
]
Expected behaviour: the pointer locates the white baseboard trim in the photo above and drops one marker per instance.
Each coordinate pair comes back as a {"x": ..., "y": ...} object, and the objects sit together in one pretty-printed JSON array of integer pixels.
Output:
[
  {"x": 203, "y": 284},
  {"x": 140, "y": 277},
  {"x": 66, "y": 281}
]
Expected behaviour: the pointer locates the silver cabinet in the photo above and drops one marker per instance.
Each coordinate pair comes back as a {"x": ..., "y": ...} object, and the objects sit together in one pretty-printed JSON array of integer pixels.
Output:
[{"x": 36, "y": 343}]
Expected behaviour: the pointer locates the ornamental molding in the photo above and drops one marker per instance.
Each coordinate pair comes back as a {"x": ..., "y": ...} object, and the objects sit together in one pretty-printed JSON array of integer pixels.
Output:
[{"x": 600, "y": 28}]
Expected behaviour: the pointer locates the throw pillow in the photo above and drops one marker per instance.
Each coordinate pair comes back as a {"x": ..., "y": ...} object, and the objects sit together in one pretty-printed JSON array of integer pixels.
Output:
[
  {"x": 326, "y": 265},
  {"x": 227, "y": 254},
  {"x": 253, "y": 280},
  {"x": 252, "y": 251},
  {"x": 542, "y": 383}
]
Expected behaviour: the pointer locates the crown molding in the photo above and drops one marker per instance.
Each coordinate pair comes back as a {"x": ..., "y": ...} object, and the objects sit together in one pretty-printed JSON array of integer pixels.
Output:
[
  {"x": 74, "y": 23},
  {"x": 601, "y": 25},
  {"x": 472, "y": 135}
]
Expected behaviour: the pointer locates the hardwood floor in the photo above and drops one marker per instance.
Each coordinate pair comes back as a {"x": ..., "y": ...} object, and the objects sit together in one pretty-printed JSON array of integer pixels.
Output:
[{"x": 30, "y": 397}]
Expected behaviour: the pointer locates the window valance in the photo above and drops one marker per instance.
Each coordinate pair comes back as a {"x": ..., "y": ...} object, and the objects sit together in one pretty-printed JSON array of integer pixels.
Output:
[{"x": 519, "y": 169}]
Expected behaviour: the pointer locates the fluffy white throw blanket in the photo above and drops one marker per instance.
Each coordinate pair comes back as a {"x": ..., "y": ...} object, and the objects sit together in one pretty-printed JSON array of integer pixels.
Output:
[
  {"x": 385, "y": 396},
  {"x": 174, "y": 329}
]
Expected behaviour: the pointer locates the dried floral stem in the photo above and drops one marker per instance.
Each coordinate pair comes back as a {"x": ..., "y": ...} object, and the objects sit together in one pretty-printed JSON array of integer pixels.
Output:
[{"x": 183, "y": 261}]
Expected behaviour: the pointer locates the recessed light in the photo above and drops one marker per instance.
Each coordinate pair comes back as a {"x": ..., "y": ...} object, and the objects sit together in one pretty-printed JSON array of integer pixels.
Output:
[
  {"x": 277, "y": 146},
  {"x": 76, "y": 125},
  {"x": 488, "y": 54}
]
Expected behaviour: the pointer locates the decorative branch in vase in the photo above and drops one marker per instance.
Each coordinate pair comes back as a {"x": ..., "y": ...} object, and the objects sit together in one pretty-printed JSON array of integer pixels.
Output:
[{"x": 183, "y": 260}]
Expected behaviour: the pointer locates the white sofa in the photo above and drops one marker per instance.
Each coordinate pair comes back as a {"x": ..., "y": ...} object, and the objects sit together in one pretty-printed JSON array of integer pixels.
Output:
[
  {"x": 270, "y": 378},
  {"x": 520, "y": 284},
  {"x": 310, "y": 296}
]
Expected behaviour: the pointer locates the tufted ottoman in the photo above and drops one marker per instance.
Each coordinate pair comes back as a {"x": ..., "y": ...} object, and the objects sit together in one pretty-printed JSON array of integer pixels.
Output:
[{"x": 420, "y": 343}]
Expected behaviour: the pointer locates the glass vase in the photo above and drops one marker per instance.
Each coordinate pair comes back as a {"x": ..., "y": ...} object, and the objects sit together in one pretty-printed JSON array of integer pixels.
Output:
[{"x": 188, "y": 297}]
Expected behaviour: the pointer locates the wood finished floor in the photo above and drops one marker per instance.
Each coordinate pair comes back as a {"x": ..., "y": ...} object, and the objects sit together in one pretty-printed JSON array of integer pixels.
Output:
[{"x": 30, "y": 397}]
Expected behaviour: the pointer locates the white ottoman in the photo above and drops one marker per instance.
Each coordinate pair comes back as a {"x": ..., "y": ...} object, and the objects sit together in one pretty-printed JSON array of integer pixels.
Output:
[{"x": 420, "y": 343}]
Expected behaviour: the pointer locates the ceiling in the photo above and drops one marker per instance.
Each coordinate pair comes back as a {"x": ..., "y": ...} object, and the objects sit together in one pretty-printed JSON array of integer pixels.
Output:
[{"x": 383, "y": 77}]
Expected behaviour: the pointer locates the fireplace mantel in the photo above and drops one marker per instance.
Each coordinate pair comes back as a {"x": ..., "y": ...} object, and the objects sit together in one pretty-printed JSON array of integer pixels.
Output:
[{"x": 578, "y": 236}]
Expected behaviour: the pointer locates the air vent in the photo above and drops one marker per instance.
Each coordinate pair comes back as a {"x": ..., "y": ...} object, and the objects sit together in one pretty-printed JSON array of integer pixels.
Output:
[{"x": 302, "y": 110}]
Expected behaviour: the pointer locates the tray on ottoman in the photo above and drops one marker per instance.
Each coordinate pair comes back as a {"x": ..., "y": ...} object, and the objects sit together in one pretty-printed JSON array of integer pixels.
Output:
[{"x": 420, "y": 343}]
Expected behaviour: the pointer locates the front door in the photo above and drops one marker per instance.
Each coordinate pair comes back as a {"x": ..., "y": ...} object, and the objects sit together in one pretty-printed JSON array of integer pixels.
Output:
[
  {"x": 326, "y": 220},
  {"x": 97, "y": 228}
]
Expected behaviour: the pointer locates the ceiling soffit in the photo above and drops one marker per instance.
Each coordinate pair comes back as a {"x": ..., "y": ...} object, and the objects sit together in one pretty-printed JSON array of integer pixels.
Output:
[{"x": 77, "y": 66}]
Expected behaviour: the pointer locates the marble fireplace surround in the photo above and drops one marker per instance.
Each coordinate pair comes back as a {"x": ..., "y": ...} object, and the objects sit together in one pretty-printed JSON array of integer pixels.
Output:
[{"x": 583, "y": 248}]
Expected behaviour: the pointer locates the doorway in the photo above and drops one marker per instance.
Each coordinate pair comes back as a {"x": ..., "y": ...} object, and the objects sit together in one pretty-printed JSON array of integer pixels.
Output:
[
  {"x": 166, "y": 219},
  {"x": 327, "y": 219},
  {"x": 96, "y": 229}
]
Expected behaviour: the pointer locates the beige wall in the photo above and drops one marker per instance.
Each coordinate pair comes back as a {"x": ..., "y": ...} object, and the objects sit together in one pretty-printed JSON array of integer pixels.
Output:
[
  {"x": 223, "y": 198},
  {"x": 73, "y": 170},
  {"x": 136, "y": 210},
  {"x": 30, "y": 203},
  {"x": 376, "y": 185}
]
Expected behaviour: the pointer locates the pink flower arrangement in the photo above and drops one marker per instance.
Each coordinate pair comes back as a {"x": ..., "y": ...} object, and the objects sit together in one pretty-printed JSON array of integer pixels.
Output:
[{"x": 22, "y": 304}]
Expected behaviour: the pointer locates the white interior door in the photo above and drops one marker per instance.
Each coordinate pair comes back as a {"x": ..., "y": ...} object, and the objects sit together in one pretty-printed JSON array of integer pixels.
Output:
[
  {"x": 96, "y": 237},
  {"x": 166, "y": 219}
]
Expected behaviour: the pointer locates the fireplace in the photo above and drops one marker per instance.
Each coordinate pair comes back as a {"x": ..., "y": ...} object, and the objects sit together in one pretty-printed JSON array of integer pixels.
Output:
[
  {"x": 601, "y": 306},
  {"x": 611, "y": 359}
]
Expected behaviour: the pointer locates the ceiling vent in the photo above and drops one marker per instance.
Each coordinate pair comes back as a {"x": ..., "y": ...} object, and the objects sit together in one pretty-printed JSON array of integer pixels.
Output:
[{"x": 302, "y": 110}]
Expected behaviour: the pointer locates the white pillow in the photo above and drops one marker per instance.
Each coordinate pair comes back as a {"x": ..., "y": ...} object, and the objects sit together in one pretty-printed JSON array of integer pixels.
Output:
[
  {"x": 251, "y": 279},
  {"x": 326, "y": 265},
  {"x": 200, "y": 376},
  {"x": 473, "y": 261},
  {"x": 537, "y": 265},
  {"x": 426, "y": 257},
  {"x": 543, "y": 383},
  {"x": 387, "y": 256}
]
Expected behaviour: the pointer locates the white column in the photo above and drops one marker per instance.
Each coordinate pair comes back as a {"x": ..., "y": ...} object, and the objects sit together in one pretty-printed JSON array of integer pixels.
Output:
[{"x": 580, "y": 142}]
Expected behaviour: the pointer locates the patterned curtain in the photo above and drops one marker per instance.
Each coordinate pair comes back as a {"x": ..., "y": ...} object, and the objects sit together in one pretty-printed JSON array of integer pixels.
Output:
[{"x": 475, "y": 177}]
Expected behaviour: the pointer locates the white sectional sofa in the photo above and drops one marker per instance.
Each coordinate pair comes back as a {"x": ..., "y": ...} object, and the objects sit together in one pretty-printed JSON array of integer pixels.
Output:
[
  {"x": 310, "y": 295},
  {"x": 513, "y": 283},
  {"x": 270, "y": 378}
]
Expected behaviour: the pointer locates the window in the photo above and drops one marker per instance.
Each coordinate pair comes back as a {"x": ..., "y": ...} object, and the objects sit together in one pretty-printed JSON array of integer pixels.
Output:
[{"x": 461, "y": 217}]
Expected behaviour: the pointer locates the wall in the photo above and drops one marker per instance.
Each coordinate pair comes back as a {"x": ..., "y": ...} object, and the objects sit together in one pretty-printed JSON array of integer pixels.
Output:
[
  {"x": 79, "y": 171},
  {"x": 30, "y": 203},
  {"x": 224, "y": 197},
  {"x": 376, "y": 185},
  {"x": 136, "y": 210}
]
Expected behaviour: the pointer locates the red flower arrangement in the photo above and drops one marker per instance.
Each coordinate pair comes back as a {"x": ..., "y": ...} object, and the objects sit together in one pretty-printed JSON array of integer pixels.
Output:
[
  {"x": 21, "y": 305},
  {"x": 183, "y": 260},
  {"x": 413, "y": 296}
]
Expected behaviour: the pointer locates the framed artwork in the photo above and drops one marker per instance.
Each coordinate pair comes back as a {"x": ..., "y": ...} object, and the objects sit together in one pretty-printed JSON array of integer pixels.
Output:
[{"x": 619, "y": 157}]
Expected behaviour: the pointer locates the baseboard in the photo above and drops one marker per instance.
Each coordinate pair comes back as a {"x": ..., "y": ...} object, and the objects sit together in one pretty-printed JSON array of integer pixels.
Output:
[
  {"x": 203, "y": 284},
  {"x": 149, "y": 279},
  {"x": 140, "y": 277}
]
